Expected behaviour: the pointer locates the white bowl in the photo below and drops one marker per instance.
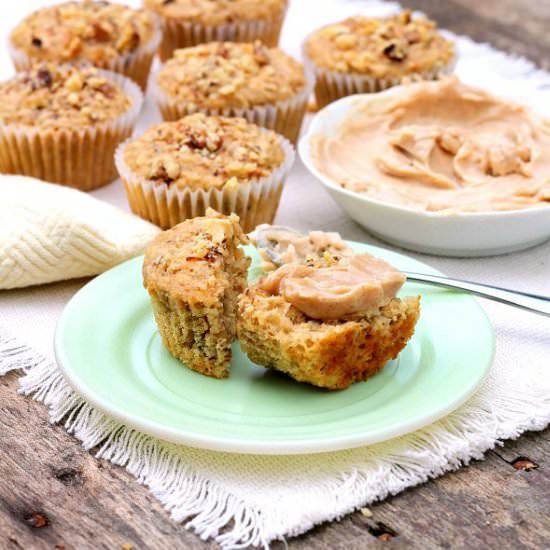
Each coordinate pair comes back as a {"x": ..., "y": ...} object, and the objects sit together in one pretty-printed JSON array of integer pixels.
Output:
[{"x": 461, "y": 234}]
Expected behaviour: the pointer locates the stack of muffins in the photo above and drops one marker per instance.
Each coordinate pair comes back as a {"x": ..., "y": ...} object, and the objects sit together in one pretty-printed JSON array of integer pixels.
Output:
[{"x": 231, "y": 100}]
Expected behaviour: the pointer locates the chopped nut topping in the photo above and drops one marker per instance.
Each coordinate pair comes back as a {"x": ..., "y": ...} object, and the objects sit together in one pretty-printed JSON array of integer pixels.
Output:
[
  {"x": 202, "y": 152},
  {"x": 53, "y": 96},
  {"x": 91, "y": 31},
  {"x": 218, "y": 12},
  {"x": 396, "y": 51},
  {"x": 225, "y": 74},
  {"x": 395, "y": 46}
]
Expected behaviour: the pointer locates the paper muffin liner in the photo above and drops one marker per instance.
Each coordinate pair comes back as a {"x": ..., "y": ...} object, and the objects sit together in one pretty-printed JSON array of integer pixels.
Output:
[
  {"x": 333, "y": 85},
  {"x": 255, "y": 202},
  {"x": 135, "y": 65},
  {"x": 284, "y": 117},
  {"x": 80, "y": 158},
  {"x": 183, "y": 34}
]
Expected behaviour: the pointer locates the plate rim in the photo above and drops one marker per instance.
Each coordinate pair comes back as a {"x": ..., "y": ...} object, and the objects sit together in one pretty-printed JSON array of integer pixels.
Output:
[{"x": 183, "y": 436}]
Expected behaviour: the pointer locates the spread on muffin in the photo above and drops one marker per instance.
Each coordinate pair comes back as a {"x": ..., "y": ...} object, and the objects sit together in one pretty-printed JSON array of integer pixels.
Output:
[
  {"x": 89, "y": 30},
  {"x": 218, "y": 12},
  {"x": 293, "y": 247},
  {"x": 225, "y": 74},
  {"x": 441, "y": 146},
  {"x": 201, "y": 152},
  {"x": 353, "y": 285},
  {"x": 60, "y": 96},
  {"x": 396, "y": 46}
]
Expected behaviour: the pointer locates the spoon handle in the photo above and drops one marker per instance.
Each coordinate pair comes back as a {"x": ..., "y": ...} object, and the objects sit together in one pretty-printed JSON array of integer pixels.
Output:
[{"x": 523, "y": 300}]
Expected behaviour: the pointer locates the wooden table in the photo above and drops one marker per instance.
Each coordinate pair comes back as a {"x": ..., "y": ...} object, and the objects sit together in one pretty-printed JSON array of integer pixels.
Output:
[{"x": 54, "y": 495}]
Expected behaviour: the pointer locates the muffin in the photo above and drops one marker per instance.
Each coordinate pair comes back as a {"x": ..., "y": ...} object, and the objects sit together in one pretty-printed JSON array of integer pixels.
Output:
[
  {"x": 193, "y": 274},
  {"x": 109, "y": 36},
  {"x": 191, "y": 22},
  {"x": 361, "y": 55},
  {"x": 331, "y": 323},
  {"x": 249, "y": 80},
  {"x": 63, "y": 123},
  {"x": 176, "y": 170}
]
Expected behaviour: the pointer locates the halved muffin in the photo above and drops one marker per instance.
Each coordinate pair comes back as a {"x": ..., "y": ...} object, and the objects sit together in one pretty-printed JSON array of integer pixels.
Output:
[
  {"x": 328, "y": 324},
  {"x": 194, "y": 273}
]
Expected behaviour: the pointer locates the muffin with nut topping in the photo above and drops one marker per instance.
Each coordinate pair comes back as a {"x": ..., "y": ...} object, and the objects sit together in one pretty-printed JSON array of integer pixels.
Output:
[
  {"x": 109, "y": 36},
  {"x": 63, "y": 123},
  {"x": 188, "y": 23},
  {"x": 176, "y": 170},
  {"x": 250, "y": 80},
  {"x": 363, "y": 55},
  {"x": 194, "y": 274}
]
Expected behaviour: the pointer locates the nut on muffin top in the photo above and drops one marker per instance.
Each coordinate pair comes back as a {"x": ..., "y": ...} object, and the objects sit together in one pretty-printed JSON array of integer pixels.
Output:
[
  {"x": 60, "y": 97},
  {"x": 217, "y": 12},
  {"x": 201, "y": 152},
  {"x": 89, "y": 30},
  {"x": 226, "y": 74},
  {"x": 391, "y": 47},
  {"x": 188, "y": 261}
]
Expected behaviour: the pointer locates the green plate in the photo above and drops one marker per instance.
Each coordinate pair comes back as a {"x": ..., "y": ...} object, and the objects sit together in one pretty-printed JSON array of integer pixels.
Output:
[{"x": 108, "y": 347}]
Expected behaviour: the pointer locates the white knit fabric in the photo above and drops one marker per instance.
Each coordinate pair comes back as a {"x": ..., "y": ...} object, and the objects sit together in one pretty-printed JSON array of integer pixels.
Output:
[
  {"x": 53, "y": 233},
  {"x": 242, "y": 500}
]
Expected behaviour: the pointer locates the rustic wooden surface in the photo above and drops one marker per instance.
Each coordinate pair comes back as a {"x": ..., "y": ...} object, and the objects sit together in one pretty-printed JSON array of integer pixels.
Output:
[{"x": 54, "y": 495}]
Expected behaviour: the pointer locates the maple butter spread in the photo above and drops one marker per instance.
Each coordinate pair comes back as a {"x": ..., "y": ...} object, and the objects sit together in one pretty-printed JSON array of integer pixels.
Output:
[
  {"x": 441, "y": 146},
  {"x": 355, "y": 285}
]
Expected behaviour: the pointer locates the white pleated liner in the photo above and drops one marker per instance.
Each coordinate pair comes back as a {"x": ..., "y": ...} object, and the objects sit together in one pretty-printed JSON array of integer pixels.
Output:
[
  {"x": 80, "y": 158},
  {"x": 135, "y": 65},
  {"x": 166, "y": 205},
  {"x": 332, "y": 85},
  {"x": 284, "y": 117},
  {"x": 183, "y": 34}
]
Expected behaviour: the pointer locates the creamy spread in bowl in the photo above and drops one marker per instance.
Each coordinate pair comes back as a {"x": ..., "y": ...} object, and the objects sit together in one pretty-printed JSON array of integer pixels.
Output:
[{"x": 439, "y": 147}]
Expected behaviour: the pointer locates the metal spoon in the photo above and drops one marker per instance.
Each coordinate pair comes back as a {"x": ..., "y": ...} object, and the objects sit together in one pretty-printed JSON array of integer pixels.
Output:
[{"x": 523, "y": 300}]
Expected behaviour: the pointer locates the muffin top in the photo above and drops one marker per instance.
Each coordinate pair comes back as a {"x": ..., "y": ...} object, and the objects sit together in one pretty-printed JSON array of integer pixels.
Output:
[
  {"x": 201, "y": 152},
  {"x": 217, "y": 12},
  {"x": 226, "y": 74},
  {"x": 60, "y": 97},
  {"x": 189, "y": 260},
  {"x": 392, "y": 47},
  {"x": 91, "y": 31}
]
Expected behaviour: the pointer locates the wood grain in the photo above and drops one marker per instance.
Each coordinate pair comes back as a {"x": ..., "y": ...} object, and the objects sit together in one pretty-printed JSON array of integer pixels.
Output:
[{"x": 55, "y": 495}]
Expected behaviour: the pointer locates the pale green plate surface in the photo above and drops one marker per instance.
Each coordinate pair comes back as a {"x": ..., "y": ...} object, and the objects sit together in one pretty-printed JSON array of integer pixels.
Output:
[{"x": 109, "y": 349}]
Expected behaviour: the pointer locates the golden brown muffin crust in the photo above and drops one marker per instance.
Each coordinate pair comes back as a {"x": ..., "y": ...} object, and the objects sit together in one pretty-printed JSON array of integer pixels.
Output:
[
  {"x": 90, "y": 30},
  {"x": 201, "y": 152},
  {"x": 52, "y": 96},
  {"x": 397, "y": 46},
  {"x": 185, "y": 261},
  {"x": 225, "y": 74},
  {"x": 218, "y": 12}
]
